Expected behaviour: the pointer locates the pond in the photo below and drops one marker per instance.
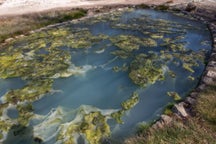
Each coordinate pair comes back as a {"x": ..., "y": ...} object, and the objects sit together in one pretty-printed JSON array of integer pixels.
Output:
[{"x": 96, "y": 80}]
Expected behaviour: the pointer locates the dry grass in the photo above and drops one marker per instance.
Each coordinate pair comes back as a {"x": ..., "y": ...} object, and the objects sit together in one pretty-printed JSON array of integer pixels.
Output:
[{"x": 16, "y": 25}]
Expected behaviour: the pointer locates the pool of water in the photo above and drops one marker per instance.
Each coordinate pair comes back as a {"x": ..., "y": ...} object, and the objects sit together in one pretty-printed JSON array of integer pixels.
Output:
[{"x": 107, "y": 59}]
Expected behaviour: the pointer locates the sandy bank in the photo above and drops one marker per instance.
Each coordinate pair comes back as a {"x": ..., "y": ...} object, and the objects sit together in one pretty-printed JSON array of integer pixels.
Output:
[{"x": 14, "y": 7}]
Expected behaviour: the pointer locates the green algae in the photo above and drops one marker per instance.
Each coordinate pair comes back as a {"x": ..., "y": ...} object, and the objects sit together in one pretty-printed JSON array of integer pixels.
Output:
[
  {"x": 188, "y": 67},
  {"x": 131, "y": 102},
  {"x": 130, "y": 43},
  {"x": 191, "y": 78},
  {"x": 172, "y": 74},
  {"x": 92, "y": 123},
  {"x": 121, "y": 53},
  {"x": 122, "y": 68},
  {"x": 29, "y": 93},
  {"x": 25, "y": 114},
  {"x": 146, "y": 69},
  {"x": 126, "y": 42},
  {"x": 117, "y": 116},
  {"x": 175, "y": 95}
]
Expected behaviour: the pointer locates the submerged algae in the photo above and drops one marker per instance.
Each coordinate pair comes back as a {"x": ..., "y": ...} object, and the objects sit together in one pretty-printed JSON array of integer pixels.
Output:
[
  {"x": 175, "y": 95},
  {"x": 146, "y": 69},
  {"x": 129, "y": 43},
  {"x": 92, "y": 124}
]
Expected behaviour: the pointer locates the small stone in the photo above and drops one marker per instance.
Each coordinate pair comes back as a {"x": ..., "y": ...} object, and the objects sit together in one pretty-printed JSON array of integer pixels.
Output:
[
  {"x": 157, "y": 125},
  {"x": 213, "y": 54},
  {"x": 9, "y": 39},
  {"x": 201, "y": 87},
  {"x": 211, "y": 74},
  {"x": 208, "y": 80},
  {"x": 194, "y": 95},
  {"x": 190, "y": 100},
  {"x": 179, "y": 108},
  {"x": 166, "y": 119},
  {"x": 190, "y": 7}
]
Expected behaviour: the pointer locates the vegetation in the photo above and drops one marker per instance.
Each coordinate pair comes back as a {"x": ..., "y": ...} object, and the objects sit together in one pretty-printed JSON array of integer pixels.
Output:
[{"x": 13, "y": 26}]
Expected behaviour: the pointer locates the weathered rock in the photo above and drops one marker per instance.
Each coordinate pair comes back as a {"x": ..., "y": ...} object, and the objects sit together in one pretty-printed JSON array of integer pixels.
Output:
[
  {"x": 201, "y": 87},
  {"x": 9, "y": 40},
  {"x": 208, "y": 80},
  {"x": 194, "y": 95},
  {"x": 211, "y": 73},
  {"x": 180, "y": 110},
  {"x": 157, "y": 125},
  {"x": 166, "y": 119},
  {"x": 190, "y": 7},
  {"x": 190, "y": 100}
]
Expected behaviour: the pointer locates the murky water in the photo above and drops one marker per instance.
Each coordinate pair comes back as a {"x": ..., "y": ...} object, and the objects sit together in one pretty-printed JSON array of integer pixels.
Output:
[{"x": 106, "y": 60}]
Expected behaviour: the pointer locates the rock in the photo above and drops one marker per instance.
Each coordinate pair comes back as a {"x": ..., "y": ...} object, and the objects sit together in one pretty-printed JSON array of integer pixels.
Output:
[
  {"x": 19, "y": 36},
  {"x": 157, "y": 125},
  {"x": 201, "y": 87},
  {"x": 9, "y": 40},
  {"x": 194, "y": 95},
  {"x": 211, "y": 74},
  {"x": 38, "y": 140},
  {"x": 208, "y": 80},
  {"x": 166, "y": 119},
  {"x": 190, "y": 7},
  {"x": 180, "y": 110},
  {"x": 190, "y": 100}
]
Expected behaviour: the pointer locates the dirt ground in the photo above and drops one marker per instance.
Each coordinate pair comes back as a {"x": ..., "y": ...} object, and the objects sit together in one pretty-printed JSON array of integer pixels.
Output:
[{"x": 14, "y": 7}]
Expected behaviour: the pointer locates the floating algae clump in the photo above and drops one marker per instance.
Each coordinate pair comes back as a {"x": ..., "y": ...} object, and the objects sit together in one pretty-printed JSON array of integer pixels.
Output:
[
  {"x": 175, "y": 95},
  {"x": 126, "y": 105},
  {"x": 129, "y": 43},
  {"x": 146, "y": 70},
  {"x": 131, "y": 102},
  {"x": 92, "y": 123},
  {"x": 30, "y": 92}
]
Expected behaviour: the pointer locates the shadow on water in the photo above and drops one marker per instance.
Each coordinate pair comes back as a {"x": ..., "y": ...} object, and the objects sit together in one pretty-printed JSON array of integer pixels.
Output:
[{"x": 20, "y": 134}]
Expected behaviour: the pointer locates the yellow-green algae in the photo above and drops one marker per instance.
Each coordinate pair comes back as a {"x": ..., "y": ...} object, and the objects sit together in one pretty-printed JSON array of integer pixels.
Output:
[
  {"x": 93, "y": 124},
  {"x": 175, "y": 95},
  {"x": 129, "y": 43},
  {"x": 125, "y": 106},
  {"x": 146, "y": 69},
  {"x": 38, "y": 61}
]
